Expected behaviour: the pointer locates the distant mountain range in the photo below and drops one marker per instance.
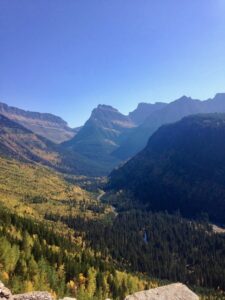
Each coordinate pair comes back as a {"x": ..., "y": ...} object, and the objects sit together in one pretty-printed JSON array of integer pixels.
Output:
[
  {"x": 47, "y": 125},
  {"x": 106, "y": 140},
  {"x": 182, "y": 168},
  {"x": 143, "y": 110},
  {"x": 169, "y": 113}
]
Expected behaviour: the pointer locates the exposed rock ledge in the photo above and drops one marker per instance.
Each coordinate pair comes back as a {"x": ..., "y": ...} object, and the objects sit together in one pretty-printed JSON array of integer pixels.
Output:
[
  {"x": 176, "y": 291},
  {"x": 33, "y": 296}
]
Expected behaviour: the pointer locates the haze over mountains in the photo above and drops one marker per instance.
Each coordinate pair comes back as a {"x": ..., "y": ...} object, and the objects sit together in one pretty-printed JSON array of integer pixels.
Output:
[
  {"x": 106, "y": 140},
  {"x": 143, "y": 110},
  {"x": 172, "y": 112}
]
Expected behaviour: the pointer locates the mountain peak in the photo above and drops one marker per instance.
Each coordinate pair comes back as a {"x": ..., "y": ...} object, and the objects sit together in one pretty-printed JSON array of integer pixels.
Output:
[
  {"x": 106, "y": 107},
  {"x": 220, "y": 96},
  {"x": 184, "y": 98},
  {"x": 103, "y": 110}
]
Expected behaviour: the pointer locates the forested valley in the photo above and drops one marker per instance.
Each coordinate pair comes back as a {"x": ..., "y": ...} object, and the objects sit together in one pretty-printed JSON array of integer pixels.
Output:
[
  {"x": 159, "y": 245},
  {"x": 34, "y": 257}
]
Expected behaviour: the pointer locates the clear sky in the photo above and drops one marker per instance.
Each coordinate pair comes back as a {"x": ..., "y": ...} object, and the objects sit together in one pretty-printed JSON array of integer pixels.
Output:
[{"x": 67, "y": 56}]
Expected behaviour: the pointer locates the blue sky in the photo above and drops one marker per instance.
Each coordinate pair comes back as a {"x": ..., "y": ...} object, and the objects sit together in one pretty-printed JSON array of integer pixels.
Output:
[{"x": 67, "y": 56}]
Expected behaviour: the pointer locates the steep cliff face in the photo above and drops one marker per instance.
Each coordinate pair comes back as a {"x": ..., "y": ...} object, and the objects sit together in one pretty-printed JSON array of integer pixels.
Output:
[
  {"x": 47, "y": 125},
  {"x": 144, "y": 110},
  {"x": 18, "y": 142}
]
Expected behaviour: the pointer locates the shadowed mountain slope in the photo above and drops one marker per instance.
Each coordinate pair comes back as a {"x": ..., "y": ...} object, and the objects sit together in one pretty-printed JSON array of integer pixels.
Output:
[{"x": 181, "y": 168}]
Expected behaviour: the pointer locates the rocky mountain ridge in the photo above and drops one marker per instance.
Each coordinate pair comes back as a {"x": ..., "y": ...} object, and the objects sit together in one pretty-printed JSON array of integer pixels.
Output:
[
  {"x": 143, "y": 110},
  {"x": 18, "y": 142},
  {"x": 108, "y": 138},
  {"x": 47, "y": 125},
  {"x": 172, "y": 112}
]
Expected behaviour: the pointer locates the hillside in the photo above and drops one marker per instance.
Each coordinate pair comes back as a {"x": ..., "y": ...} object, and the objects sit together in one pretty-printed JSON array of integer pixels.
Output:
[
  {"x": 47, "y": 125},
  {"x": 36, "y": 257},
  {"x": 37, "y": 253},
  {"x": 172, "y": 112},
  {"x": 182, "y": 168},
  {"x": 22, "y": 144},
  {"x": 18, "y": 142},
  {"x": 35, "y": 190},
  {"x": 54, "y": 236}
]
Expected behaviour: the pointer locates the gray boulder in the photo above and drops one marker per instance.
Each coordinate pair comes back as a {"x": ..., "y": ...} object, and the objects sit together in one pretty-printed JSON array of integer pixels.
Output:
[
  {"x": 176, "y": 291},
  {"x": 33, "y": 296},
  {"x": 68, "y": 298}
]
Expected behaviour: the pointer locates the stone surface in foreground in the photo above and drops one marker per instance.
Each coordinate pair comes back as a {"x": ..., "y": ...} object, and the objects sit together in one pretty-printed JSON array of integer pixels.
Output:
[
  {"x": 5, "y": 294},
  {"x": 33, "y": 296},
  {"x": 176, "y": 291}
]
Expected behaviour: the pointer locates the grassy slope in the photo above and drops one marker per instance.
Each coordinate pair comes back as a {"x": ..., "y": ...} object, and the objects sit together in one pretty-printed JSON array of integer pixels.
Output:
[{"x": 34, "y": 190}]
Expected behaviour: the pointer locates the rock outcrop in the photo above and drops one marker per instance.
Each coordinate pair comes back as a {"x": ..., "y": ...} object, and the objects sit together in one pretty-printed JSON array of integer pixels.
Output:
[
  {"x": 176, "y": 291},
  {"x": 33, "y": 296},
  {"x": 5, "y": 294}
]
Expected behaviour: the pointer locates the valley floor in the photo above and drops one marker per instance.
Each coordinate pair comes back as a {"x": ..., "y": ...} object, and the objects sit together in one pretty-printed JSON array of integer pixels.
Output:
[{"x": 56, "y": 236}]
